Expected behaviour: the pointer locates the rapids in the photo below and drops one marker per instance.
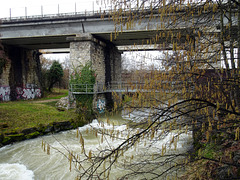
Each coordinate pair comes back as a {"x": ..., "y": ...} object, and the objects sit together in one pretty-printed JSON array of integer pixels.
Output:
[{"x": 27, "y": 160}]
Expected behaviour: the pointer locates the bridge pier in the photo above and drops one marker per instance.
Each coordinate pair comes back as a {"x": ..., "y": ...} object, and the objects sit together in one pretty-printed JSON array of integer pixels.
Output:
[
  {"x": 20, "y": 78},
  {"x": 105, "y": 60}
]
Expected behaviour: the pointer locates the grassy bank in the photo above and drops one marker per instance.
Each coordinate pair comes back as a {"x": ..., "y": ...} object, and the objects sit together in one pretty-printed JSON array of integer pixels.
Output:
[
  {"x": 19, "y": 115},
  {"x": 55, "y": 94}
]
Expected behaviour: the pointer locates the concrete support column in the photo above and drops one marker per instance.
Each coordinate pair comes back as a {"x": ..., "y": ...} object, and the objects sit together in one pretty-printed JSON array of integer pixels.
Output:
[
  {"x": 207, "y": 48},
  {"x": 4, "y": 82},
  {"x": 21, "y": 78},
  {"x": 105, "y": 60},
  {"x": 115, "y": 70},
  {"x": 86, "y": 49}
]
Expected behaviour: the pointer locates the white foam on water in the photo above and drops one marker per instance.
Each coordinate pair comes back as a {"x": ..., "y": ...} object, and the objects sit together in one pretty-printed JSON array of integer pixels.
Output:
[
  {"x": 101, "y": 125},
  {"x": 181, "y": 144},
  {"x": 136, "y": 115},
  {"x": 15, "y": 172},
  {"x": 45, "y": 166}
]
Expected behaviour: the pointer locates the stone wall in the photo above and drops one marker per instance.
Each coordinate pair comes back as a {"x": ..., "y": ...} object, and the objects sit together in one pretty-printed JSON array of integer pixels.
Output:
[
  {"x": 4, "y": 83},
  {"x": 116, "y": 64},
  {"x": 105, "y": 59},
  {"x": 30, "y": 133},
  {"x": 97, "y": 58},
  {"x": 79, "y": 54},
  {"x": 21, "y": 76},
  {"x": 85, "y": 49}
]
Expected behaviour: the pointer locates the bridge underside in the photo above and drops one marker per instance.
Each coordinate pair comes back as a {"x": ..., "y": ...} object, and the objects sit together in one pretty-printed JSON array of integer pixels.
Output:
[{"x": 128, "y": 38}]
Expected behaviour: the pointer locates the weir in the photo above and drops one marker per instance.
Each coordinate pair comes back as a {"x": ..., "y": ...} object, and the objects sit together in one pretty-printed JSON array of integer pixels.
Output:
[{"x": 29, "y": 160}]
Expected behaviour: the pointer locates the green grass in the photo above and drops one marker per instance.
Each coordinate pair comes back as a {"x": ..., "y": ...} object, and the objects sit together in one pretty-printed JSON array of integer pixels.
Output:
[
  {"x": 19, "y": 115},
  {"x": 55, "y": 94}
]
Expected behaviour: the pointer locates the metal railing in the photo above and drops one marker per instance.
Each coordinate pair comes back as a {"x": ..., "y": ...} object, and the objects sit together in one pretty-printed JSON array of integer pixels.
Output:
[
  {"x": 125, "y": 87},
  {"x": 50, "y": 16},
  {"x": 99, "y": 88},
  {"x": 82, "y": 88},
  {"x": 86, "y": 13}
]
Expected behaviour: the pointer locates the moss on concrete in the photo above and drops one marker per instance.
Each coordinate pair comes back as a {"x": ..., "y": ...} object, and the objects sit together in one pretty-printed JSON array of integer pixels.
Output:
[
  {"x": 6, "y": 140},
  {"x": 32, "y": 135},
  {"x": 16, "y": 137}
]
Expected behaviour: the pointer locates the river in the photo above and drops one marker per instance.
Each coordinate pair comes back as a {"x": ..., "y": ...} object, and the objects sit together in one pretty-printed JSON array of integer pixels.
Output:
[{"x": 27, "y": 160}]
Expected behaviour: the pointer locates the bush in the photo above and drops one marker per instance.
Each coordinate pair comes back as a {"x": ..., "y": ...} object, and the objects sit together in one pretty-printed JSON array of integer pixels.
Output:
[
  {"x": 82, "y": 76},
  {"x": 55, "y": 74}
]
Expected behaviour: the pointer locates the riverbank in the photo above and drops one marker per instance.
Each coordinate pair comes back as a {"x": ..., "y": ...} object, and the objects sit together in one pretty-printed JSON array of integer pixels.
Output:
[{"x": 21, "y": 120}]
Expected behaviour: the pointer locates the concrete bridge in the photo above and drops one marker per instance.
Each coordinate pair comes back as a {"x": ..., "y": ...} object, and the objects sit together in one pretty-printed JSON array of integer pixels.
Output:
[
  {"x": 91, "y": 38},
  {"x": 57, "y": 31}
]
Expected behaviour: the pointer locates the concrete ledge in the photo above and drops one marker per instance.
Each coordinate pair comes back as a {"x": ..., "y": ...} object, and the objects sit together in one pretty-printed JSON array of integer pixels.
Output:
[
  {"x": 34, "y": 132},
  {"x": 85, "y": 37}
]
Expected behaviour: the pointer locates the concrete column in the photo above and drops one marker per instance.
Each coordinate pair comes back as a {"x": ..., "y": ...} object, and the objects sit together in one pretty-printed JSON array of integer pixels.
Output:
[
  {"x": 105, "y": 60},
  {"x": 208, "y": 49},
  {"x": 116, "y": 64},
  {"x": 113, "y": 58},
  {"x": 4, "y": 82},
  {"x": 85, "y": 49},
  {"x": 21, "y": 78}
]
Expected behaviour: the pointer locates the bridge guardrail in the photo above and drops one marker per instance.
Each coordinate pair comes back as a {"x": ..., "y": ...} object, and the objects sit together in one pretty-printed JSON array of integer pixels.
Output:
[
  {"x": 82, "y": 88},
  {"x": 49, "y": 16},
  {"x": 126, "y": 87},
  {"x": 104, "y": 88},
  {"x": 58, "y": 15},
  {"x": 85, "y": 13}
]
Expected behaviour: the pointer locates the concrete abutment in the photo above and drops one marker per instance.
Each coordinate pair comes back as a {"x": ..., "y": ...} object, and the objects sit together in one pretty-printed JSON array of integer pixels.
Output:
[
  {"x": 105, "y": 60},
  {"x": 21, "y": 77}
]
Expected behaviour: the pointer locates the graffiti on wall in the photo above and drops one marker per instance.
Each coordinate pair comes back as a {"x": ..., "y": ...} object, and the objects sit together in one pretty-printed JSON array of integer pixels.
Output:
[
  {"x": 4, "y": 93},
  {"x": 101, "y": 105},
  {"x": 30, "y": 91}
]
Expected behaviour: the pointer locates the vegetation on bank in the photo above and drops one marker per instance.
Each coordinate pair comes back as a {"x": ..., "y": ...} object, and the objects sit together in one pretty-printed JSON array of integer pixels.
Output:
[
  {"x": 18, "y": 115},
  {"x": 55, "y": 94},
  {"x": 83, "y": 75}
]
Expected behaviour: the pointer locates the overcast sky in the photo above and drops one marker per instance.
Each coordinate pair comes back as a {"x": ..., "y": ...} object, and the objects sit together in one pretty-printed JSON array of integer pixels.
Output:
[{"x": 49, "y": 7}]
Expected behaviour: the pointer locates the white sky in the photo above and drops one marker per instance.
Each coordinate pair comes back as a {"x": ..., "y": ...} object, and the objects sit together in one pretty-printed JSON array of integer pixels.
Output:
[{"x": 49, "y": 7}]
